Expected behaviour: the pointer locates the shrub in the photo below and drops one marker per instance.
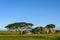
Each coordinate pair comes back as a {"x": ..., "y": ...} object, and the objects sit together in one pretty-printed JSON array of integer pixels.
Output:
[{"x": 57, "y": 31}]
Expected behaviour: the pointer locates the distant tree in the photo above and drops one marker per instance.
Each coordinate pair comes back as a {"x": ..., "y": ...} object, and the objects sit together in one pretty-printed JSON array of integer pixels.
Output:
[
  {"x": 37, "y": 30},
  {"x": 10, "y": 27},
  {"x": 51, "y": 28},
  {"x": 57, "y": 31},
  {"x": 18, "y": 26}
]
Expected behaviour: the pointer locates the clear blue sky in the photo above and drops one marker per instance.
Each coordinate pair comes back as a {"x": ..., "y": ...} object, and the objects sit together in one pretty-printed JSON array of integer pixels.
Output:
[{"x": 38, "y": 12}]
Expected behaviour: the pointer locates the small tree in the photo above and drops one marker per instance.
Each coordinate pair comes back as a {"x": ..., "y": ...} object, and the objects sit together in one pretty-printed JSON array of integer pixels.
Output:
[
  {"x": 51, "y": 27},
  {"x": 37, "y": 30}
]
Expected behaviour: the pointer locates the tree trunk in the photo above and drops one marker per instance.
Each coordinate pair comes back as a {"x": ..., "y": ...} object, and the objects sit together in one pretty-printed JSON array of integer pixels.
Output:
[{"x": 51, "y": 30}]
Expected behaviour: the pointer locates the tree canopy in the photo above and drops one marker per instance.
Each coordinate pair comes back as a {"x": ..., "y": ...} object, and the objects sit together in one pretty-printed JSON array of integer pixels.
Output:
[
  {"x": 18, "y": 25},
  {"x": 50, "y": 26},
  {"x": 37, "y": 29}
]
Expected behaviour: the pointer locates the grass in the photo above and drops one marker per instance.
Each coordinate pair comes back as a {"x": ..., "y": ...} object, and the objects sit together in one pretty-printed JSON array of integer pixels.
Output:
[
  {"x": 27, "y": 37},
  {"x": 16, "y": 36}
]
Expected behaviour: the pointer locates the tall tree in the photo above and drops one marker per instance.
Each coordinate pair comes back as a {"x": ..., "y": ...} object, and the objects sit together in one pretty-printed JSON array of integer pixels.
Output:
[{"x": 18, "y": 25}]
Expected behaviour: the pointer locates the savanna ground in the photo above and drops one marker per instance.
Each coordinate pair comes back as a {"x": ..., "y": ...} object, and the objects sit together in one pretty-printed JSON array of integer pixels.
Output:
[{"x": 6, "y": 35}]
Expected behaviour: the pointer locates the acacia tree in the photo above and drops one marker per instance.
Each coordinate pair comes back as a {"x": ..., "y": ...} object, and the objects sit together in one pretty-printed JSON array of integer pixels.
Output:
[
  {"x": 51, "y": 27},
  {"x": 18, "y": 25},
  {"x": 10, "y": 27}
]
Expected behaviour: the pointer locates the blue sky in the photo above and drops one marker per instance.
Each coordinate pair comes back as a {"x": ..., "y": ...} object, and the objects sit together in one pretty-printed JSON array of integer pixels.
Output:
[{"x": 38, "y": 12}]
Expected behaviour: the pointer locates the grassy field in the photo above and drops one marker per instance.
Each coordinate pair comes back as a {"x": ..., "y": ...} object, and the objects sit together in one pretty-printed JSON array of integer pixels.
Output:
[{"x": 16, "y": 36}]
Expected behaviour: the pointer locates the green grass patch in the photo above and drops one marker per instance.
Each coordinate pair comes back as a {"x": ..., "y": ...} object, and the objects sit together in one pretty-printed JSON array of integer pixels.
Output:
[{"x": 16, "y": 36}]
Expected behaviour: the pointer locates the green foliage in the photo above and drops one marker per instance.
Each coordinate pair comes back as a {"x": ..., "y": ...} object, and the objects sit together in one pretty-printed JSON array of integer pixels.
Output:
[
  {"x": 50, "y": 26},
  {"x": 18, "y": 25},
  {"x": 57, "y": 31},
  {"x": 37, "y": 30}
]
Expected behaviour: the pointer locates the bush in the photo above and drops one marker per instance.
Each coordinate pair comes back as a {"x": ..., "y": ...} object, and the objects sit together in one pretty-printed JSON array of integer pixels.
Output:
[{"x": 57, "y": 31}]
